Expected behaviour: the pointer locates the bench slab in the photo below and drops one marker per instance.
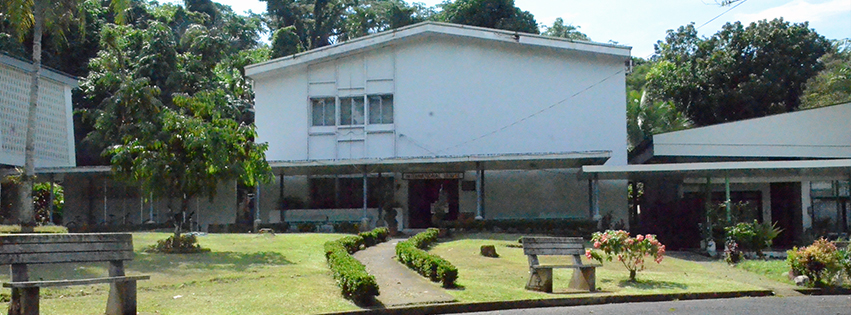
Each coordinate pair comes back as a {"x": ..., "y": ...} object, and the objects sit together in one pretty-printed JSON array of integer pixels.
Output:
[{"x": 63, "y": 283}]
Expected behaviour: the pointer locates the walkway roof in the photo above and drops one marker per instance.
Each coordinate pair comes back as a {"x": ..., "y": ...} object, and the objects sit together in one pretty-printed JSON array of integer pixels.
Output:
[{"x": 808, "y": 168}]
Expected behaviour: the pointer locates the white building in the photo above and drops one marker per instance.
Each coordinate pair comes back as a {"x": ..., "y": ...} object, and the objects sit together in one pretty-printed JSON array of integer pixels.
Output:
[
  {"x": 793, "y": 168},
  {"x": 437, "y": 106}
]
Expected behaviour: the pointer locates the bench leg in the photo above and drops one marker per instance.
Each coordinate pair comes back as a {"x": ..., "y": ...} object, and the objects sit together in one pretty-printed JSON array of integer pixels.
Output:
[
  {"x": 24, "y": 301},
  {"x": 584, "y": 279},
  {"x": 122, "y": 298},
  {"x": 540, "y": 279}
]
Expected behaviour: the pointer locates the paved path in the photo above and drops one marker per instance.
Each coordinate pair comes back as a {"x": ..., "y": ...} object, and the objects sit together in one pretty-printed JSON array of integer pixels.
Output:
[
  {"x": 810, "y": 305},
  {"x": 399, "y": 285}
]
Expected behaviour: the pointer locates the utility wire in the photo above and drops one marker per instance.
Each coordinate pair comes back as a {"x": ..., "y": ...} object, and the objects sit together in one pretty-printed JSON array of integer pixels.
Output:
[
  {"x": 725, "y": 12},
  {"x": 533, "y": 114}
]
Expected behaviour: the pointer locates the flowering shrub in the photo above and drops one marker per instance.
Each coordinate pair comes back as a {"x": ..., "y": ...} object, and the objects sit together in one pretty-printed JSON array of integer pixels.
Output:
[
  {"x": 820, "y": 262},
  {"x": 732, "y": 254},
  {"x": 629, "y": 251}
]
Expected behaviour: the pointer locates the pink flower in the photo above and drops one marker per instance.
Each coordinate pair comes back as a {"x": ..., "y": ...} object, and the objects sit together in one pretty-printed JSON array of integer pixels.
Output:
[
  {"x": 588, "y": 253},
  {"x": 597, "y": 244},
  {"x": 639, "y": 237}
]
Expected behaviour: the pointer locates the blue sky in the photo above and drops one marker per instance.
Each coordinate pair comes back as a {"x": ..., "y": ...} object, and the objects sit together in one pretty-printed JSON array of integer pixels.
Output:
[{"x": 640, "y": 23}]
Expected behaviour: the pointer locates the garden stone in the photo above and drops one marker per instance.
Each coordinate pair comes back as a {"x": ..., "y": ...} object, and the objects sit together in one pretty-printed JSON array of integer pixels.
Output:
[
  {"x": 802, "y": 281},
  {"x": 489, "y": 251}
]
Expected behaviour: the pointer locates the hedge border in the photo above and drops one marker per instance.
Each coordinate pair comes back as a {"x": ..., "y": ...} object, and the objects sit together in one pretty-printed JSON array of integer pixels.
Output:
[
  {"x": 354, "y": 281},
  {"x": 412, "y": 254}
]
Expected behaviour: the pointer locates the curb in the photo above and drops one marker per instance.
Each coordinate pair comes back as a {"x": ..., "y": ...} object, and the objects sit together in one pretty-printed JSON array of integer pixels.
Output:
[{"x": 521, "y": 304}]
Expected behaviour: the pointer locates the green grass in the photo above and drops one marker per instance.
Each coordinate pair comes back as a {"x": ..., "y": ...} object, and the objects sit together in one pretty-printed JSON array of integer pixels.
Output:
[
  {"x": 5, "y": 229},
  {"x": 495, "y": 279},
  {"x": 777, "y": 270},
  {"x": 243, "y": 274}
]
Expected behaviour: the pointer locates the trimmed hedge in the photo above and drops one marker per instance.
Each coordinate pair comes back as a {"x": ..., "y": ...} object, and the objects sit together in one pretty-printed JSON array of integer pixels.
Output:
[
  {"x": 356, "y": 284},
  {"x": 412, "y": 254},
  {"x": 378, "y": 235}
]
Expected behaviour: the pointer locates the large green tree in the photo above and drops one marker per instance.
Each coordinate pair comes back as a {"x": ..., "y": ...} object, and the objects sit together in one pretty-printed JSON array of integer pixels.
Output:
[
  {"x": 833, "y": 84},
  {"x": 738, "y": 73},
  {"x": 559, "y": 29},
  {"x": 36, "y": 16},
  {"x": 498, "y": 14}
]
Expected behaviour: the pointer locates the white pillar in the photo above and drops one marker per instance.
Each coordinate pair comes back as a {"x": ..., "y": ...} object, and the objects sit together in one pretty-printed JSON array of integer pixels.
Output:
[{"x": 480, "y": 191}]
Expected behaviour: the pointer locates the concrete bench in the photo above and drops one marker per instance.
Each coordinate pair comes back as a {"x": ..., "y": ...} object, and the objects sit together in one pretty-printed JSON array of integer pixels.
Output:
[
  {"x": 21, "y": 250},
  {"x": 541, "y": 276}
]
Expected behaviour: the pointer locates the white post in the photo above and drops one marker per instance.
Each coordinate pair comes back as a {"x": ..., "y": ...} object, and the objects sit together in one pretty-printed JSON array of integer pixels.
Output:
[
  {"x": 257, "y": 220},
  {"x": 480, "y": 191}
]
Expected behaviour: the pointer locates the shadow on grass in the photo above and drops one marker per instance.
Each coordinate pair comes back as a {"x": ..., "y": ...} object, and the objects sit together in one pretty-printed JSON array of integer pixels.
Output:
[
  {"x": 651, "y": 284},
  {"x": 150, "y": 262}
]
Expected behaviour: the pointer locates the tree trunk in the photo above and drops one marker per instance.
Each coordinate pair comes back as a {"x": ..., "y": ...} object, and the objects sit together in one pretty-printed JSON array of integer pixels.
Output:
[
  {"x": 632, "y": 276},
  {"x": 26, "y": 214}
]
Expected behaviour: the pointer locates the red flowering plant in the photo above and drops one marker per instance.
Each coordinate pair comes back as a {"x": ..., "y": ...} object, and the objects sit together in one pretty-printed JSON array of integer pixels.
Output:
[{"x": 628, "y": 250}]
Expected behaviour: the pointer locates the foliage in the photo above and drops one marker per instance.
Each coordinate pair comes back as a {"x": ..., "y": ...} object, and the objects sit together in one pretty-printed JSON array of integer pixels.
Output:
[
  {"x": 285, "y": 42},
  {"x": 833, "y": 84},
  {"x": 411, "y": 253},
  {"x": 558, "y": 29},
  {"x": 177, "y": 244},
  {"x": 6, "y": 229},
  {"x": 753, "y": 236},
  {"x": 562, "y": 227},
  {"x": 629, "y": 251},
  {"x": 732, "y": 253},
  {"x": 41, "y": 201},
  {"x": 346, "y": 227},
  {"x": 498, "y": 14},
  {"x": 376, "y": 236},
  {"x": 821, "y": 262},
  {"x": 351, "y": 275},
  {"x": 647, "y": 116},
  {"x": 738, "y": 73}
]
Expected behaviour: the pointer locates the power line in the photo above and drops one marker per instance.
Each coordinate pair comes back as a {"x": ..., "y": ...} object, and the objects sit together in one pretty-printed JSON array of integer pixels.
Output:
[
  {"x": 725, "y": 12},
  {"x": 533, "y": 114}
]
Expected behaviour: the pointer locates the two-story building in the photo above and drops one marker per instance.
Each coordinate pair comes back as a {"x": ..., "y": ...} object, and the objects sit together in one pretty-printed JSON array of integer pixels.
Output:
[{"x": 497, "y": 122}]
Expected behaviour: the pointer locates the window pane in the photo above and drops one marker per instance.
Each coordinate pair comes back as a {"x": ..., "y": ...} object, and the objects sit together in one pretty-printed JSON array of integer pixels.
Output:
[
  {"x": 387, "y": 109},
  {"x": 318, "y": 112},
  {"x": 345, "y": 111},
  {"x": 330, "y": 106},
  {"x": 374, "y": 109},
  {"x": 357, "y": 111}
]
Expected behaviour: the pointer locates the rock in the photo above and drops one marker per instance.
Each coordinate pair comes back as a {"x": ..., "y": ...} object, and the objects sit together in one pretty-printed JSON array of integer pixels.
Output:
[
  {"x": 802, "y": 281},
  {"x": 489, "y": 251}
]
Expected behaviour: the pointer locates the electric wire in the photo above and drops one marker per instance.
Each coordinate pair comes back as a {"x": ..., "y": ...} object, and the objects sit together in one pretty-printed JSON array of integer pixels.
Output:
[{"x": 722, "y": 13}]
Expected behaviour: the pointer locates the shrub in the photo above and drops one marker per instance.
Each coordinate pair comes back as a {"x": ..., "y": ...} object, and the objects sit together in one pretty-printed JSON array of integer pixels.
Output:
[
  {"x": 355, "y": 282},
  {"x": 821, "y": 262},
  {"x": 6, "y": 229},
  {"x": 753, "y": 236},
  {"x": 629, "y": 251},
  {"x": 377, "y": 235},
  {"x": 412, "y": 254},
  {"x": 306, "y": 227},
  {"x": 555, "y": 227},
  {"x": 183, "y": 244},
  {"x": 346, "y": 227},
  {"x": 732, "y": 254}
]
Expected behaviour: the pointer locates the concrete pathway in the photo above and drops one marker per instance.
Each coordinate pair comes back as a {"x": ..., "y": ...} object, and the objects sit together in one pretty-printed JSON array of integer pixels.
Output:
[{"x": 399, "y": 285}]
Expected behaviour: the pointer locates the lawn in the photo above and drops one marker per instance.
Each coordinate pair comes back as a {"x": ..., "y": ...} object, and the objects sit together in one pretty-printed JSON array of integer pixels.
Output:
[
  {"x": 287, "y": 274},
  {"x": 244, "y": 274},
  {"x": 495, "y": 279}
]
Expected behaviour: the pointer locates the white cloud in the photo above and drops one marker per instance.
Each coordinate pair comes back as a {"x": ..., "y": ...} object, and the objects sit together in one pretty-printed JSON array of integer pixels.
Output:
[{"x": 800, "y": 11}]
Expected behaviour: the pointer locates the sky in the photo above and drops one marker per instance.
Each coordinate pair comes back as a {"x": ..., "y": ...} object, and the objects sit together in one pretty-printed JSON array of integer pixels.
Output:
[{"x": 640, "y": 23}]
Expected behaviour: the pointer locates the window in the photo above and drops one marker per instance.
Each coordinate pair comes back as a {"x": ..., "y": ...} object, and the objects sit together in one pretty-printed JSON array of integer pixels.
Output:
[
  {"x": 347, "y": 192},
  {"x": 381, "y": 109},
  {"x": 323, "y": 111},
  {"x": 351, "y": 111}
]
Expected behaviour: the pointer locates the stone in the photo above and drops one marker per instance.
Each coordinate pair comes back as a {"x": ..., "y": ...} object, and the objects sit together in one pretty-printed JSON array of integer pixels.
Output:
[
  {"x": 489, "y": 251},
  {"x": 802, "y": 281}
]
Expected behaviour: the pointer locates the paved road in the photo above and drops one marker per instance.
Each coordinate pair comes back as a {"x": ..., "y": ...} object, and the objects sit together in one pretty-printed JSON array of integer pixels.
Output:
[{"x": 810, "y": 305}]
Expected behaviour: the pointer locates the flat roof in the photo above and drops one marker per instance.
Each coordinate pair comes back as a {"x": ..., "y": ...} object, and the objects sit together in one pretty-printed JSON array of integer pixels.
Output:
[
  {"x": 436, "y": 28},
  {"x": 730, "y": 169}
]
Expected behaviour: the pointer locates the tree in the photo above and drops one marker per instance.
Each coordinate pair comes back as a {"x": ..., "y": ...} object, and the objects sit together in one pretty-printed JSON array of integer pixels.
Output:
[
  {"x": 647, "y": 117},
  {"x": 738, "y": 73},
  {"x": 195, "y": 149},
  {"x": 833, "y": 84},
  {"x": 564, "y": 31},
  {"x": 35, "y": 16},
  {"x": 498, "y": 14},
  {"x": 285, "y": 42}
]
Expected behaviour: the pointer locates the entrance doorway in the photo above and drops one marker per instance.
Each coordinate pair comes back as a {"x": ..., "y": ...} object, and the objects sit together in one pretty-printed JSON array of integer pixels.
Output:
[
  {"x": 422, "y": 193},
  {"x": 786, "y": 212}
]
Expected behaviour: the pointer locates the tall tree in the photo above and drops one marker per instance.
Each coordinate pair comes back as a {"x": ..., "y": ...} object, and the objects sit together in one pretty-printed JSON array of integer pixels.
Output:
[
  {"x": 738, "y": 73},
  {"x": 36, "y": 16},
  {"x": 498, "y": 14},
  {"x": 559, "y": 29},
  {"x": 833, "y": 84}
]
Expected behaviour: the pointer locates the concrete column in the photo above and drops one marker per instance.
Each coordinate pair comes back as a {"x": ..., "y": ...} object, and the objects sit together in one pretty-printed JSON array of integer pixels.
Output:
[
  {"x": 480, "y": 191},
  {"x": 727, "y": 202}
]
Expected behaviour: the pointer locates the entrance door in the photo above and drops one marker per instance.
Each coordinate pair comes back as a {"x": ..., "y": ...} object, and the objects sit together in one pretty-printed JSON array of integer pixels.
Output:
[
  {"x": 786, "y": 212},
  {"x": 424, "y": 192}
]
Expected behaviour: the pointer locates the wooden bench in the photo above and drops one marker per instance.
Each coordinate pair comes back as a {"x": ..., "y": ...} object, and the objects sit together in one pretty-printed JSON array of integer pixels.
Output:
[
  {"x": 541, "y": 276},
  {"x": 21, "y": 250}
]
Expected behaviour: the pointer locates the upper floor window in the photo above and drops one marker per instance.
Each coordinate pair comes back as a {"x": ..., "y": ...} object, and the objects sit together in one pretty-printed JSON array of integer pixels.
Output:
[
  {"x": 381, "y": 109},
  {"x": 323, "y": 111},
  {"x": 351, "y": 111}
]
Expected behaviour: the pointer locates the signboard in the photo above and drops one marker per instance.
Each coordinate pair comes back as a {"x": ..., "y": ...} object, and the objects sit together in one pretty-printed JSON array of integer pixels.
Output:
[{"x": 410, "y": 176}]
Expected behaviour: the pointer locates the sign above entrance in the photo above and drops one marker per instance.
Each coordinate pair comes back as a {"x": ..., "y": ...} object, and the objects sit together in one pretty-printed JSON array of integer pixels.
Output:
[{"x": 409, "y": 176}]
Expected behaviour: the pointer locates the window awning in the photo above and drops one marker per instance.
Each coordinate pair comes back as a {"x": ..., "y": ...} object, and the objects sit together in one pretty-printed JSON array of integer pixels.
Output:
[
  {"x": 531, "y": 161},
  {"x": 797, "y": 168}
]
